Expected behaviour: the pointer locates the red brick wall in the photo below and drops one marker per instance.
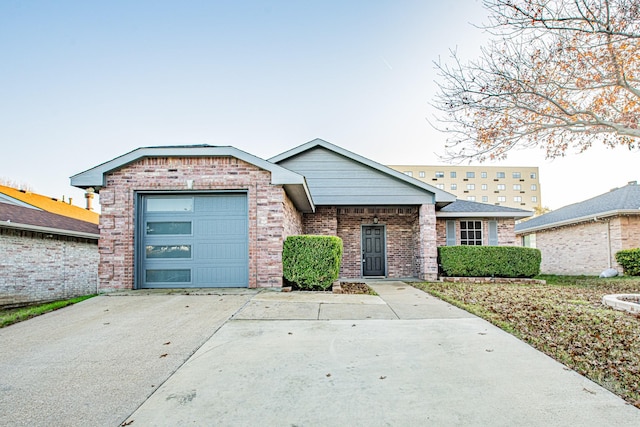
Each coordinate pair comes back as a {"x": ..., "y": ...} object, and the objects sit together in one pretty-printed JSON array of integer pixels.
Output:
[
  {"x": 346, "y": 222},
  {"x": 39, "y": 267},
  {"x": 270, "y": 216},
  {"x": 323, "y": 222},
  {"x": 506, "y": 231}
]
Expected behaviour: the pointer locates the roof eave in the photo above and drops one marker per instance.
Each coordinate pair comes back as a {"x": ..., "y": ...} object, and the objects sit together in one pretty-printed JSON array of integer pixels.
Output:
[
  {"x": 577, "y": 220},
  {"x": 300, "y": 196},
  {"x": 95, "y": 176},
  {"x": 49, "y": 230},
  {"x": 515, "y": 215}
]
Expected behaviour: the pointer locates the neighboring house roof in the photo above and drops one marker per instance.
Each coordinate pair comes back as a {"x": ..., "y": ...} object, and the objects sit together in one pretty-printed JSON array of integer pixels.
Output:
[
  {"x": 338, "y": 187},
  {"x": 26, "y": 198},
  {"x": 25, "y": 218},
  {"x": 294, "y": 184},
  {"x": 619, "y": 201},
  {"x": 465, "y": 208}
]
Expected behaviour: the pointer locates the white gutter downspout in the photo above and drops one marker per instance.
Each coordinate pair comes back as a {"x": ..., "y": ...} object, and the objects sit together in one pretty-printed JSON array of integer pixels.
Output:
[{"x": 609, "y": 241}]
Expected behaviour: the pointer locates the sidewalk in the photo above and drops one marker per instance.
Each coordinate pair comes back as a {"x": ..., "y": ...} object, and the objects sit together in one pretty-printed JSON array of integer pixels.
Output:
[{"x": 402, "y": 358}]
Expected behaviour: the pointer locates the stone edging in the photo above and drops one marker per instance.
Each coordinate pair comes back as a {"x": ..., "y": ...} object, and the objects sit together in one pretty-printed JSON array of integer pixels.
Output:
[
  {"x": 616, "y": 302},
  {"x": 505, "y": 280}
]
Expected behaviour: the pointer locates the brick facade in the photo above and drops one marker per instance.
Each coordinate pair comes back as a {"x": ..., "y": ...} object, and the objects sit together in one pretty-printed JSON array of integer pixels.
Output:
[
  {"x": 587, "y": 248},
  {"x": 506, "y": 230},
  {"x": 39, "y": 267},
  {"x": 271, "y": 214},
  {"x": 426, "y": 244},
  {"x": 410, "y": 237}
]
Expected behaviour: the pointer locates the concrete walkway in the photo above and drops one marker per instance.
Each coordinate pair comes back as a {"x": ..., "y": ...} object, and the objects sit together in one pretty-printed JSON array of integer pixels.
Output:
[{"x": 402, "y": 358}]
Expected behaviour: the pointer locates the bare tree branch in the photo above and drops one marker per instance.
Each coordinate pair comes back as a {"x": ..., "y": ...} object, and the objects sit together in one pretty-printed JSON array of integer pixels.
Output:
[{"x": 557, "y": 74}]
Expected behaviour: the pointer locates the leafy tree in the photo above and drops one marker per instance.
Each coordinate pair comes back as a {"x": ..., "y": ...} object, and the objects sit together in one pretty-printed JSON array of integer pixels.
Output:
[{"x": 557, "y": 74}]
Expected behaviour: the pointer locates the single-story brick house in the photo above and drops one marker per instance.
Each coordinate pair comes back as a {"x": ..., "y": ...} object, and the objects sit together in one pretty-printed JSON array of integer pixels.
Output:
[
  {"x": 208, "y": 216},
  {"x": 44, "y": 256},
  {"x": 583, "y": 238}
]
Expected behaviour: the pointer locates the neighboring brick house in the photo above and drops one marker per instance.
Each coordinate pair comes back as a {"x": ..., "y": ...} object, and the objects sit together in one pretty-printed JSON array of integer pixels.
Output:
[
  {"x": 44, "y": 256},
  {"x": 583, "y": 238},
  {"x": 200, "y": 216}
]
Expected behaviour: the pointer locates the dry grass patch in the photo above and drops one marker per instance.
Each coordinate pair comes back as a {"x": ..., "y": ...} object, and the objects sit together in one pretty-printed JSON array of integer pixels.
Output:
[{"x": 566, "y": 320}]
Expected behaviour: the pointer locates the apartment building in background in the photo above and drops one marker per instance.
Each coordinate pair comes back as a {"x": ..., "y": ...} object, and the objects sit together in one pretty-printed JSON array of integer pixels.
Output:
[{"x": 512, "y": 186}]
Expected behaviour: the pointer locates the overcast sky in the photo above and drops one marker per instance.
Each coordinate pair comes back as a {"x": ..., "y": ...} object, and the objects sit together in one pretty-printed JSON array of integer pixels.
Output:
[{"x": 82, "y": 82}]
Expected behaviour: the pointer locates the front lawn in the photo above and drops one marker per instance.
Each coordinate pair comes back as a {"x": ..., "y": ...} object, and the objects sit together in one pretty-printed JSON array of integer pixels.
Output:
[
  {"x": 15, "y": 315},
  {"x": 566, "y": 320}
]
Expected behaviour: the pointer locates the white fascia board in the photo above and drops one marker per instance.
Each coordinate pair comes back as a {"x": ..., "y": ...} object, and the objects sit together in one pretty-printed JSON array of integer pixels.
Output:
[
  {"x": 516, "y": 215},
  {"x": 50, "y": 230},
  {"x": 578, "y": 220}
]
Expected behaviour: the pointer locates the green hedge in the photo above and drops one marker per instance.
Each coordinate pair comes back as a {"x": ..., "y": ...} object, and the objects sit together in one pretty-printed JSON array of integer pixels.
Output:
[
  {"x": 312, "y": 262},
  {"x": 489, "y": 261},
  {"x": 629, "y": 259}
]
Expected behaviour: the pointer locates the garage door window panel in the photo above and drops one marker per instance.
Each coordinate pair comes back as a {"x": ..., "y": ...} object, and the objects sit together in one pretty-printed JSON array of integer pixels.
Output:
[
  {"x": 168, "y": 276},
  {"x": 170, "y": 204},
  {"x": 168, "y": 228},
  {"x": 168, "y": 251}
]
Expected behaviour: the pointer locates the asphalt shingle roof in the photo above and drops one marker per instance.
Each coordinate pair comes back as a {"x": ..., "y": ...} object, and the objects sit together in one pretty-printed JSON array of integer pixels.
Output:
[
  {"x": 626, "y": 198},
  {"x": 465, "y": 206},
  {"x": 18, "y": 215}
]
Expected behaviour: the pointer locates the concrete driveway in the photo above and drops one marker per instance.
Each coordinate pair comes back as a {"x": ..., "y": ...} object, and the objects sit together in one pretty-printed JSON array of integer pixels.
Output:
[
  {"x": 94, "y": 363},
  {"x": 403, "y": 358}
]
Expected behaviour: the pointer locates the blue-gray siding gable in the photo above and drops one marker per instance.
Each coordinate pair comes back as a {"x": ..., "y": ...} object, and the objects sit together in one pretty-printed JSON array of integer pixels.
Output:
[{"x": 337, "y": 180}]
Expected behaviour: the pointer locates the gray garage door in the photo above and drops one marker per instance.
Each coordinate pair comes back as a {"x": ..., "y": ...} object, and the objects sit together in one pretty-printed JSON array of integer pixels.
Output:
[{"x": 193, "y": 241}]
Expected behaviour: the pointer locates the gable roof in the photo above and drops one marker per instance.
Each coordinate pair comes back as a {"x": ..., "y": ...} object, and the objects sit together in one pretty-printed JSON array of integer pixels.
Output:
[
  {"x": 619, "y": 201},
  {"x": 440, "y": 197},
  {"x": 294, "y": 184},
  {"x": 25, "y": 218},
  {"x": 27, "y": 198},
  {"x": 465, "y": 208}
]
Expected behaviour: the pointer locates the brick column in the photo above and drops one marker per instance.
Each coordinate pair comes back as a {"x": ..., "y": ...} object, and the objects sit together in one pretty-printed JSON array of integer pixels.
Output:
[{"x": 427, "y": 252}]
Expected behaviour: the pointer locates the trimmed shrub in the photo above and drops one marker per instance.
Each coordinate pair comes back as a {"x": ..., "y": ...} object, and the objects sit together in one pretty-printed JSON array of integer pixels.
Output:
[
  {"x": 489, "y": 261},
  {"x": 629, "y": 259},
  {"x": 312, "y": 262}
]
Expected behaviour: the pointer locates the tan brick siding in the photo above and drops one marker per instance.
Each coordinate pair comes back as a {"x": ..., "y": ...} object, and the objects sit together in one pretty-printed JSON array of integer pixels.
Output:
[
  {"x": 587, "y": 248},
  {"x": 41, "y": 267},
  {"x": 270, "y": 212},
  {"x": 425, "y": 236}
]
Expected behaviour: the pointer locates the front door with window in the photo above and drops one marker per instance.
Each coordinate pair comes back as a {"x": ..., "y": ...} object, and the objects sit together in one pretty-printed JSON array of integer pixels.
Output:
[{"x": 373, "y": 250}]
